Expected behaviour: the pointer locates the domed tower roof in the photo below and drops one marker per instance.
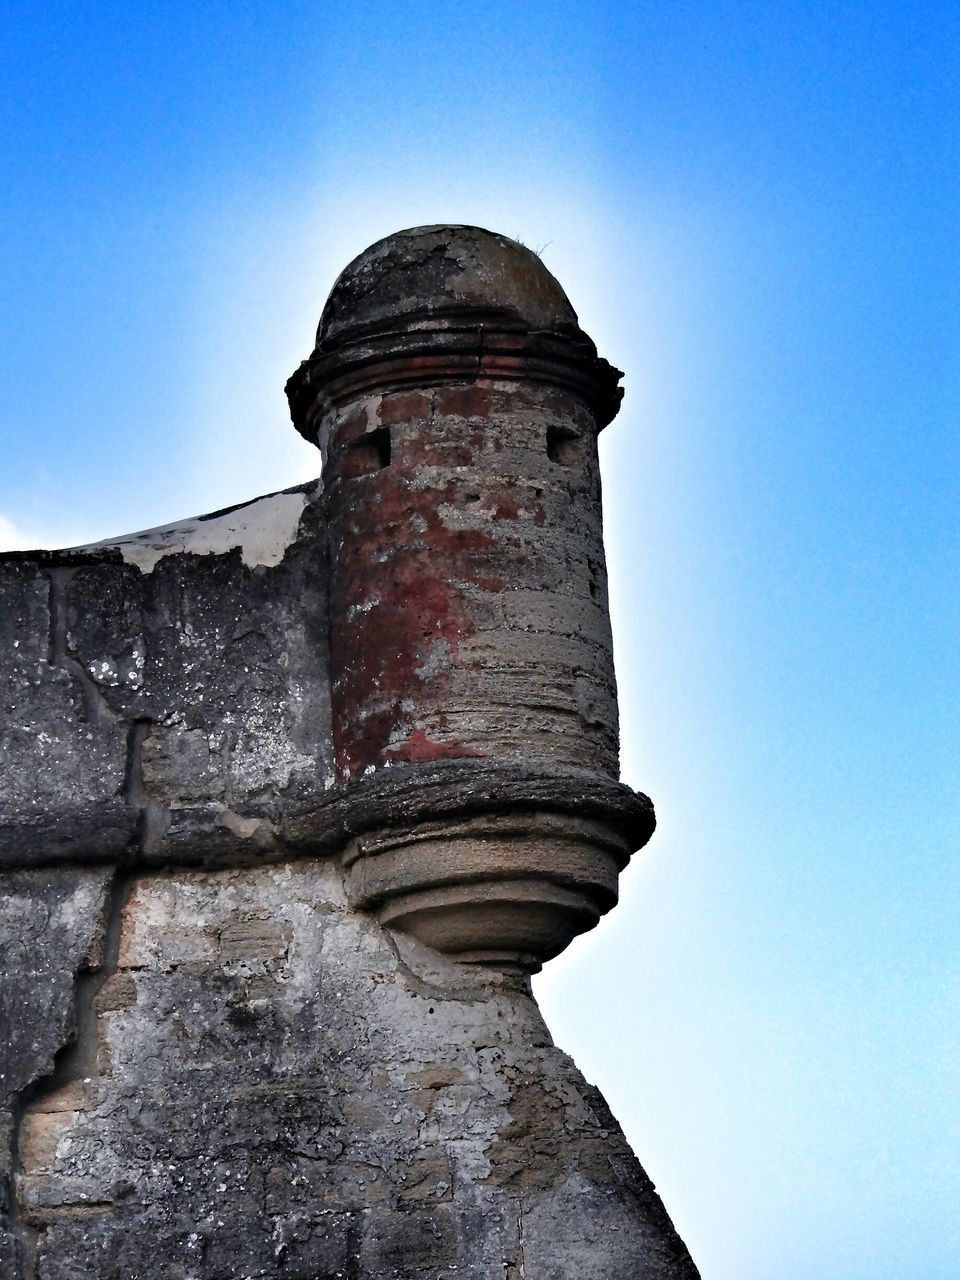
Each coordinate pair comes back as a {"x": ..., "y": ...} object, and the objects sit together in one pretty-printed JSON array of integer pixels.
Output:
[
  {"x": 442, "y": 270},
  {"x": 447, "y": 304}
]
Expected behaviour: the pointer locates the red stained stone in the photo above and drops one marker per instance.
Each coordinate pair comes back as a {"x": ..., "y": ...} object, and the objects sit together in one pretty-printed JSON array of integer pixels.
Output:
[
  {"x": 378, "y": 650},
  {"x": 472, "y": 400},
  {"x": 506, "y": 509},
  {"x": 419, "y": 748},
  {"x": 352, "y": 424},
  {"x": 404, "y": 406},
  {"x": 424, "y": 451},
  {"x": 407, "y": 577}
]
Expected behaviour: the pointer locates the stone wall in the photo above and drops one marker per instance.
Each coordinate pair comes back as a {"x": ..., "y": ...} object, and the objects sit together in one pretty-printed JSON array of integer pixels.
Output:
[
  {"x": 267, "y": 1083},
  {"x": 166, "y": 695}
]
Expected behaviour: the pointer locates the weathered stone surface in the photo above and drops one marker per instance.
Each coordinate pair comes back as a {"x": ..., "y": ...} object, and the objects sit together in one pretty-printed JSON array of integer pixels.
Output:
[
  {"x": 282, "y": 1089},
  {"x": 293, "y": 798},
  {"x": 168, "y": 695},
  {"x": 468, "y": 591}
]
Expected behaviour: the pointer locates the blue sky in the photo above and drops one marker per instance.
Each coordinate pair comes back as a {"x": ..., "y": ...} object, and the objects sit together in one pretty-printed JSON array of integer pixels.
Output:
[{"x": 754, "y": 208}]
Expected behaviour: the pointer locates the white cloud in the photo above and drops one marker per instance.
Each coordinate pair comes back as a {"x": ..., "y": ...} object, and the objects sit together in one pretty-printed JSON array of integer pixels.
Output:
[
  {"x": 34, "y": 537},
  {"x": 13, "y": 538}
]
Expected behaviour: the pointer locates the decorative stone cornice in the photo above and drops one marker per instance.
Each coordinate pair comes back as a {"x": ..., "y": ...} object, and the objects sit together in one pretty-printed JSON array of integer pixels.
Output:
[{"x": 463, "y": 344}]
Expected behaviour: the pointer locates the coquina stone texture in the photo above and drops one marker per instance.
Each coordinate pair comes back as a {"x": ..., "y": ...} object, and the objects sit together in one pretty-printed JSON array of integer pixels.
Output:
[{"x": 294, "y": 799}]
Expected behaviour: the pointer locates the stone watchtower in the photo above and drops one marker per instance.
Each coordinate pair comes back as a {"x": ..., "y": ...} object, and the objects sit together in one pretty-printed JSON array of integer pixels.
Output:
[
  {"x": 458, "y": 404},
  {"x": 296, "y": 796}
]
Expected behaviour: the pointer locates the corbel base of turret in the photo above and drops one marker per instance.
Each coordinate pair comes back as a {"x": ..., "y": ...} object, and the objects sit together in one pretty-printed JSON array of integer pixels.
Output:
[{"x": 510, "y": 875}]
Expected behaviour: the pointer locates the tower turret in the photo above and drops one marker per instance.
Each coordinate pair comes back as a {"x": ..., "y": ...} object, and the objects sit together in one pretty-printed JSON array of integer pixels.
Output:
[{"x": 457, "y": 404}]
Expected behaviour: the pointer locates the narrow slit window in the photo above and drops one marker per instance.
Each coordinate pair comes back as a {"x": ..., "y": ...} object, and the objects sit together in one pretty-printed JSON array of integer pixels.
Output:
[
  {"x": 370, "y": 453},
  {"x": 563, "y": 446}
]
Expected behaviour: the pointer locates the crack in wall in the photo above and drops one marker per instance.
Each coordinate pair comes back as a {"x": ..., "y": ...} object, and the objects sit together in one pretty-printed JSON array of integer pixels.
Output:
[
  {"x": 154, "y": 817},
  {"x": 25, "y": 1234},
  {"x": 516, "y": 1270},
  {"x": 520, "y": 1259},
  {"x": 96, "y": 709},
  {"x": 75, "y": 1061}
]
